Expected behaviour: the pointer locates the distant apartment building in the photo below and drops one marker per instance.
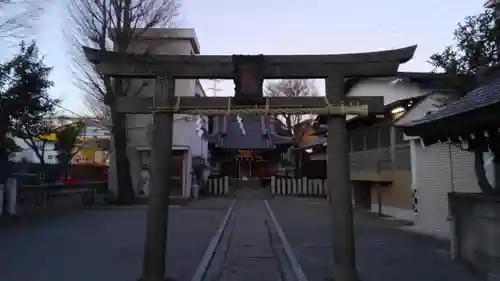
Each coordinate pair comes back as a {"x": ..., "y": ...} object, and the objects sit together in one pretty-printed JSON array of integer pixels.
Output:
[{"x": 92, "y": 143}]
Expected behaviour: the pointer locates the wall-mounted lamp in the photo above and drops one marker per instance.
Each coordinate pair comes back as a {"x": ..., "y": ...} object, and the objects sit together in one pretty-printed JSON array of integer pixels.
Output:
[
  {"x": 309, "y": 150},
  {"x": 397, "y": 110}
]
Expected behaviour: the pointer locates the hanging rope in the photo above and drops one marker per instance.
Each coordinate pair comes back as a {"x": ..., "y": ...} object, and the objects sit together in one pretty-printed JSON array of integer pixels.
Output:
[
  {"x": 228, "y": 112},
  {"x": 267, "y": 107},
  {"x": 328, "y": 105}
]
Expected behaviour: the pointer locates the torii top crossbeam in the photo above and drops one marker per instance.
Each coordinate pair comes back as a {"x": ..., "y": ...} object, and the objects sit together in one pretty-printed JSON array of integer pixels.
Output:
[
  {"x": 275, "y": 66},
  {"x": 250, "y": 101}
]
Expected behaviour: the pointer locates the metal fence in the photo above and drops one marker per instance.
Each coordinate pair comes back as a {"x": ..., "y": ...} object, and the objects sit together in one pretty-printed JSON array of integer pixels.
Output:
[
  {"x": 25, "y": 199},
  {"x": 377, "y": 160}
]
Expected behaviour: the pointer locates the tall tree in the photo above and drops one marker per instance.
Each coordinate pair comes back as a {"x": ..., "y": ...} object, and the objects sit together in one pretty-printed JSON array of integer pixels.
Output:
[
  {"x": 291, "y": 88},
  {"x": 24, "y": 100},
  {"x": 474, "y": 48},
  {"x": 96, "y": 22},
  {"x": 66, "y": 147}
]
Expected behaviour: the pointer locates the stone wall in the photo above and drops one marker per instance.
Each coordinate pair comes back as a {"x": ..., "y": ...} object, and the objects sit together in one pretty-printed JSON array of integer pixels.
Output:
[{"x": 476, "y": 231}]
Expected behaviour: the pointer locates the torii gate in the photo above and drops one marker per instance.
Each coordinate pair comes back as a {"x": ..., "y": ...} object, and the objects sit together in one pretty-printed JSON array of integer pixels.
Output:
[{"x": 248, "y": 73}]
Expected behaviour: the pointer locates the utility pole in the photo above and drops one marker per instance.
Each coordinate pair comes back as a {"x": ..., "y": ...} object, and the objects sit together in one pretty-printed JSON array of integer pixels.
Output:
[{"x": 215, "y": 88}]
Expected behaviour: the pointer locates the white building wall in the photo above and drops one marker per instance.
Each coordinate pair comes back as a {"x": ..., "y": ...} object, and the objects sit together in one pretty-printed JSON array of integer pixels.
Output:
[
  {"x": 383, "y": 87},
  {"x": 437, "y": 170},
  {"x": 430, "y": 103},
  {"x": 164, "y": 42},
  {"x": 440, "y": 169},
  {"x": 27, "y": 153}
]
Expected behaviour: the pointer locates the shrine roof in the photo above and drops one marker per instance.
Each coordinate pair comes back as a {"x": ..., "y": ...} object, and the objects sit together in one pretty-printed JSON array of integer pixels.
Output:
[
  {"x": 476, "y": 110},
  {"x": 256, "y": 133}
]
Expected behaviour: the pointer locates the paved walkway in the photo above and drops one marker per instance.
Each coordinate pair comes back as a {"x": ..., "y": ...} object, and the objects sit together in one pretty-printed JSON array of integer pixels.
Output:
[
  {"x": 104, "y": 244},
  {"x": 248, "y": 249},
  {"x": 384, "y": 252}
]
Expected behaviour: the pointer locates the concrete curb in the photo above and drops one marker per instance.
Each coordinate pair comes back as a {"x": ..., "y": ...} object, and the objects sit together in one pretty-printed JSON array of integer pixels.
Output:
[
  {"x": 294, "y": 263},
  {"x": 212, "y": 247}
]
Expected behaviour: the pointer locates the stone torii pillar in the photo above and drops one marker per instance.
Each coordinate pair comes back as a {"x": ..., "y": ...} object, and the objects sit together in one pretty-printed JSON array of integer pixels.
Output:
[
  {"x": 154, "y": 257},
  {"x": 339, "y": 186}
]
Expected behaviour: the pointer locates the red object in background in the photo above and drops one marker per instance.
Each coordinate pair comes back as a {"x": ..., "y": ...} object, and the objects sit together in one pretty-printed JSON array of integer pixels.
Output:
[{"x": 70, "y": 181}]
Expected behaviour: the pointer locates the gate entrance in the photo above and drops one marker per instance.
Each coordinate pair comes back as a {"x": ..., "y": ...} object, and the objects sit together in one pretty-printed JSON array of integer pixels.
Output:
[{"x": 248, "y": 73}]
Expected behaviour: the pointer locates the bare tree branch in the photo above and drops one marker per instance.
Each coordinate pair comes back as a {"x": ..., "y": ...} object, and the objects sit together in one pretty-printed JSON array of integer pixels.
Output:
[
  {"x": 17, "y": 17},
  {"x": 95, "y": 23},
  {"x": 291, "y": 88},
  {"x": 112, "y": 25}
]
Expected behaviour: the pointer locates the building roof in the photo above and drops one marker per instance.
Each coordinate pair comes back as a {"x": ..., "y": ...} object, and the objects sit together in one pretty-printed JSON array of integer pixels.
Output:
[
  {"x": 477, "y": 110},
  {"x": 257, "y": 132},
  {"x": 156, "y": 33},
  {"x": 481, "y": 97},
  {"x": 425, "y": 80}
]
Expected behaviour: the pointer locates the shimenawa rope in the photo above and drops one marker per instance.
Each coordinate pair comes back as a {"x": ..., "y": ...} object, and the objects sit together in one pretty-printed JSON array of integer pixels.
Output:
[{"x": 328, "y": 109}]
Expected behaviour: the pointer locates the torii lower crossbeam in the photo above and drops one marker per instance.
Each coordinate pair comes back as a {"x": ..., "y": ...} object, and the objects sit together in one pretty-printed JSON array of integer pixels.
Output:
[{"x": 271, "y": 105}]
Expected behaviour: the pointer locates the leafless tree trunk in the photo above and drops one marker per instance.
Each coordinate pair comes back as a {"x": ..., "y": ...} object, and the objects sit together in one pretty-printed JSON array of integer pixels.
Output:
[
  {"x": 127, "y": 20},
  {"x": 290, "y": 88}
]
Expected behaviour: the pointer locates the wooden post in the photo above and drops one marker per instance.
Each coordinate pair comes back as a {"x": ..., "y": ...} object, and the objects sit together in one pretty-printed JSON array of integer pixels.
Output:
[
  {"x": 379, "y": 199},
  {"x": 338, "y": 167},
  {"x": 153, "y": 267},
  {"x": 393, "y": 148}
]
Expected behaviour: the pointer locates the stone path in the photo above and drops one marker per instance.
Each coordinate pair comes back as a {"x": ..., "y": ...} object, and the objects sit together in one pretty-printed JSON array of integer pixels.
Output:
[{"x": 250, "y": 248}]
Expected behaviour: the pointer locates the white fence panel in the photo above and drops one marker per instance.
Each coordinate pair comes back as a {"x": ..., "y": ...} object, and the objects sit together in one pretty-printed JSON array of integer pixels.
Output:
[
  {"x": 298, "y": 187},
  {"x": 218, "y": 186}
]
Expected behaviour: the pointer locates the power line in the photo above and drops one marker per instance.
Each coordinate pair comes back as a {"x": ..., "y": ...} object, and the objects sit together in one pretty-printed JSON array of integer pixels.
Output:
[
  {"x": 79, "y": 115},
  {"x": 70, "y": 111}
]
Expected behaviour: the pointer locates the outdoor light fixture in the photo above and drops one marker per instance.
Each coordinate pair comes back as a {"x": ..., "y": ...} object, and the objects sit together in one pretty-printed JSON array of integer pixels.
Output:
[
  {"x": 309, "y": 150},
  {"x": 397, "y": 110},
  {"x": 248, "y": 79}
]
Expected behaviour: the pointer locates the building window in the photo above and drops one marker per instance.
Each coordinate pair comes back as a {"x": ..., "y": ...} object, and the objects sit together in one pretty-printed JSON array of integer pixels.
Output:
[{"x": 50, "y": 157}]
